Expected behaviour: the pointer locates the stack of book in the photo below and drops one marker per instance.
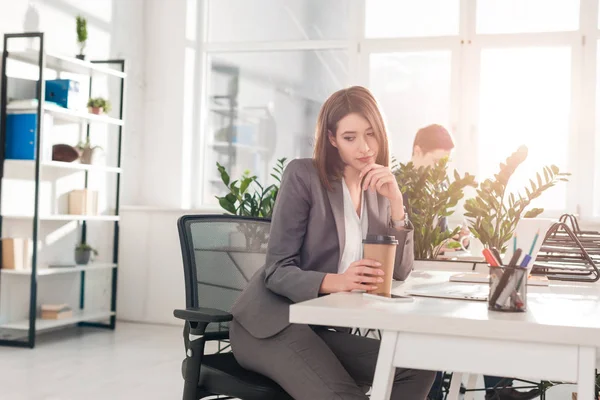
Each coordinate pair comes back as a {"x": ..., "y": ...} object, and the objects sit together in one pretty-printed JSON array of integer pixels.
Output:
[{"x": 56, "y": 311}]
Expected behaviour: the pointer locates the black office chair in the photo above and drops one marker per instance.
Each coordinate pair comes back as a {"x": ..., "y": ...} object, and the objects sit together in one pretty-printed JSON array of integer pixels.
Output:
[{"x": 220, "y": 255}]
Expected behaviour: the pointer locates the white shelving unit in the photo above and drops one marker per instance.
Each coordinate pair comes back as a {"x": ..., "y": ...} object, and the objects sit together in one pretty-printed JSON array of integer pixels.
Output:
[
  {"x": 60, "y": 270},
  {"x": 54, "y": 181},
  {"x": 66, "y": 217},
  {"x": 46, "y": 324},
  {"x": 68, "y": 64},
  {"x": 63, "y": 165},
  {"x": 224, "y": 146}
]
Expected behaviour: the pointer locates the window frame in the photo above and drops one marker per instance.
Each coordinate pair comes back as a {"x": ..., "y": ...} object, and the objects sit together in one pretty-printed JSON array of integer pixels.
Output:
[{"x": 466, "y": 48}]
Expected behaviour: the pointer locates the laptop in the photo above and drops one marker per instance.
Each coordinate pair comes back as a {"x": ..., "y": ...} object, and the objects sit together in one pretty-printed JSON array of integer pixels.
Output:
[
  {"x": 525, "y": 231},
  {"x": 457, "y": 291}
]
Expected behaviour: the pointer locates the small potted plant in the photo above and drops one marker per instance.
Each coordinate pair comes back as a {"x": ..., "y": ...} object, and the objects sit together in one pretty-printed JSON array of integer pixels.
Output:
[
  {"x": 83, "y": 253},
  {"x": 81, "y": 35},
  {"x": 98, "y": 105},
  {"x": 86, "y": 151}
]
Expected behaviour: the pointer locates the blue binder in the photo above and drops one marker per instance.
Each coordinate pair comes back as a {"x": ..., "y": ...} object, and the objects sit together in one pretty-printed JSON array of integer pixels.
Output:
[{"x": 21, "y": 136}]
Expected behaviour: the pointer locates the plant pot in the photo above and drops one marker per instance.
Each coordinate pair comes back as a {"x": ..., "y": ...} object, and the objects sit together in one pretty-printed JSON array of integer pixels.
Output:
[
  {"x": 80, "y": 56},
  {"x": 96, "y": 110},
  {"x": 87, "y": 156},
  {"x": 82, "y": 256}
]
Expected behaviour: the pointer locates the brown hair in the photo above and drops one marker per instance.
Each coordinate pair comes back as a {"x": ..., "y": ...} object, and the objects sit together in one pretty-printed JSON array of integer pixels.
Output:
[
  {"x": 433, "y": 137},
  {"x": 355, "y": 99}
]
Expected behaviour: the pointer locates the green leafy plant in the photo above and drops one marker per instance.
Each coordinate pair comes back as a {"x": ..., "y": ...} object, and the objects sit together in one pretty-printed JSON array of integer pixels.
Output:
[
  {"x": 493, "y": 214},
  {"x": 100, "y": 102},
  {"x": 86, "y": 247},
  {"x": 81, "y": 27},
  {"x": 431, "y": 195},
  {"x": 247, "y": 196}
]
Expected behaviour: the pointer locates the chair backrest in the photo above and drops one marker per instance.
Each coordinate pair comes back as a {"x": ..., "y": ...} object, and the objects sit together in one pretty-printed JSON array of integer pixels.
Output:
[{"x": 220, "y": 254}]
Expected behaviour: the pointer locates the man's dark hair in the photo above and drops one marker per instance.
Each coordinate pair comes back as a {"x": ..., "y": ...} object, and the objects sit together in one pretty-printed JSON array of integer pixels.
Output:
[{"x": 433, "y": 137}]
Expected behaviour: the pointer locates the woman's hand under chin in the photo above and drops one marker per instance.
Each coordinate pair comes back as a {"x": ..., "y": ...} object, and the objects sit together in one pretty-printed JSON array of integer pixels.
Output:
[{"x": 382, "y": 180}]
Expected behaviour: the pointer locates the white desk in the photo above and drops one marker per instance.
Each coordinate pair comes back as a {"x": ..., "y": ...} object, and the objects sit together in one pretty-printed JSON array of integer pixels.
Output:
[{"x": 556, "y": 339}]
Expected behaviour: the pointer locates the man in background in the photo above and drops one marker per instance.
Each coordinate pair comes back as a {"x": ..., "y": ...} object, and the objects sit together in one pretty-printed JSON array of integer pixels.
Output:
[{"x": 431, "y": 144}]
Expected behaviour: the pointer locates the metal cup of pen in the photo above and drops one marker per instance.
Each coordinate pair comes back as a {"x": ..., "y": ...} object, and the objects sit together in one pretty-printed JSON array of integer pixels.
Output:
[{"x": 508, "y": 289}]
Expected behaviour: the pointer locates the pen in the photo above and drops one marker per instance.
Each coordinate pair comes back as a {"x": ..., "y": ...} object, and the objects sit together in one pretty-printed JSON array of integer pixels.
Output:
[
  {"x": 489, "y": 258},
  {"x": 503, "y": 290},
  {"x": 496, "y": 254},
  {"x": 535, "y": 238}
]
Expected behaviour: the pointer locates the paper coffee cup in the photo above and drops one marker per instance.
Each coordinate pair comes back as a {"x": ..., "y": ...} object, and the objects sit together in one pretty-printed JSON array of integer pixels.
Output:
[{"x": 382, "y": 248}]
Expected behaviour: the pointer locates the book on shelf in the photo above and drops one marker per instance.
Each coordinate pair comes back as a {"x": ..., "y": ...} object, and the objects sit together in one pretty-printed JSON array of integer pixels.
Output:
[
  {"x": 56, "y": 311},
  {"x": 16, "y": 253}
]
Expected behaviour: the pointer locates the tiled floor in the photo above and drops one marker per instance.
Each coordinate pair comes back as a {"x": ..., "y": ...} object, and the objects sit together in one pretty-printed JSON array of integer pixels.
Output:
[{"x": 134, "y": 362}]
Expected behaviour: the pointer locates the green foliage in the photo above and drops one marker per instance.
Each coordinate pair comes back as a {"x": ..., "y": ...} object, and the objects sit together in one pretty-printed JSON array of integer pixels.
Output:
[
  {"x": 81, "y": 32},
  {"x": 493, "y": 214},
  {"x": 247, "y": 196},
  {"x": 431, "y": 195},
  {"x": 100, "y": 102}
]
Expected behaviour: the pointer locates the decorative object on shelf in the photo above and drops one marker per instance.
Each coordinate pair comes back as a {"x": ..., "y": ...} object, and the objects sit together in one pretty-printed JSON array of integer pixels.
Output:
[
  {"x": 64, "y": 92},
  {"x": 16, "y": 253},
  {"x": 86, "y": 151},
  {"x": 493, "y": 214},
  {"x": 64, "y": 153},
  {"x": 56, "y": 311},
  {"x": 83, "y": 202},
  {"x": 431, "y": 195},
  {"x": 81, "y": 26},
  {"x": 83, "y": 253},
  {"x": 99, "y": 105}
]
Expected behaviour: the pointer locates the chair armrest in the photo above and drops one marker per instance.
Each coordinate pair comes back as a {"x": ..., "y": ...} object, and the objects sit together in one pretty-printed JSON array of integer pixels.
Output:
[{"x": 201, "y": 314}]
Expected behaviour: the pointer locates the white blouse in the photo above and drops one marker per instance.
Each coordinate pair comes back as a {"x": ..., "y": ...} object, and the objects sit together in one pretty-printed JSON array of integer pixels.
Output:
[{"x": 356, "y": 230}]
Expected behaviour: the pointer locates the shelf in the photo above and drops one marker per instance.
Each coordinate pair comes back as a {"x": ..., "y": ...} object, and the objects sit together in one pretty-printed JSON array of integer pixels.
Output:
[
  {"x": 45, "y": 324},
  {"x": 60, "y": 270},
  {"x": 64, "y": 165},
  {"x": 66, "y": 217},
  {"x": 248, "y": 147},
  {"x": 64, "y": 63},
  {"x": 65, "y": 115}
]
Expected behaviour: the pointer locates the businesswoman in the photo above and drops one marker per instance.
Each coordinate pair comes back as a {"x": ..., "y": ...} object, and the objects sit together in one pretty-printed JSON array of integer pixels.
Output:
[{"x": 325, "y": 207}]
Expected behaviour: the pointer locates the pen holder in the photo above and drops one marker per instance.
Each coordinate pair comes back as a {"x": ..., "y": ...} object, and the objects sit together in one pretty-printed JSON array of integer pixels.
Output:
[{"x": 508, "y": 289}]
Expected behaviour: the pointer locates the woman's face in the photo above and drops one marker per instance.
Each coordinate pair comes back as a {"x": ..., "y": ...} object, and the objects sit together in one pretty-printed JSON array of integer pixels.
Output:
[{"x": 356, "y": 141}]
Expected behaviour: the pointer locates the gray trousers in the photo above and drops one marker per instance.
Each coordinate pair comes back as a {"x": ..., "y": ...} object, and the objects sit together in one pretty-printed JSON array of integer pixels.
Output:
[{"x": 316, "y": 363}]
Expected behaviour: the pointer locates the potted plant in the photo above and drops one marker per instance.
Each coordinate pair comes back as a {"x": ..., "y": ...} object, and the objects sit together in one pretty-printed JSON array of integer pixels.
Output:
[
  {"x": 81, "y": 27},
  {"x": 494, "y": 213},
  {"x": 247, "y": 197},
  {"x": 83, "y": 253},
  {"x": 86, "y": 151},
  {"x": 431, "y": 194},
  {"x": 99, "y": 106}
]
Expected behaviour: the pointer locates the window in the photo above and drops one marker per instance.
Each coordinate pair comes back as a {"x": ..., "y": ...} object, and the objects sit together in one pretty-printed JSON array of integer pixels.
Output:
[
  {"x": 495, "y": 73},
  {"x": 276, "y": 20},
  {"x": 525, "y": 98},
  {"x": 413, "y": 89},
  {"x": 524, "y": 16},
  {"x": 409, "y": 18},
  {"x": 263, "y": 106}
]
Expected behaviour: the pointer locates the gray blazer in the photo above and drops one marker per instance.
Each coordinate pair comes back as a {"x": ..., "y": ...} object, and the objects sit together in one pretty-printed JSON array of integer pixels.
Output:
[{"x": 305, "y": 243}]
